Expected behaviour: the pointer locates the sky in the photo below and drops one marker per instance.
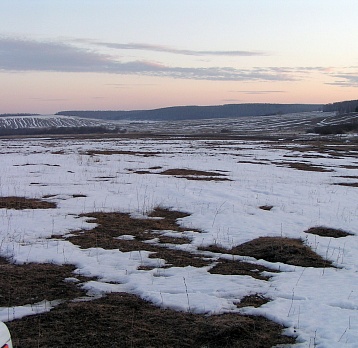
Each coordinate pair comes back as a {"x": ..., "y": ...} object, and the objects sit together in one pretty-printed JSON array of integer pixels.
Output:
[{"x": 137, "y": 54}]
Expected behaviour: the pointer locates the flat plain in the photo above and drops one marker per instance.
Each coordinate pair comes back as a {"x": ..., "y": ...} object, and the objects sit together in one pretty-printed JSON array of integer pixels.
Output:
[{"x": 195, "y": 234}]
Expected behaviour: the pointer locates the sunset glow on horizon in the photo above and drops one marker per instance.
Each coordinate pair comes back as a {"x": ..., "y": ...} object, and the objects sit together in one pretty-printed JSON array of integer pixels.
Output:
[{"x": 126, "y": 55}]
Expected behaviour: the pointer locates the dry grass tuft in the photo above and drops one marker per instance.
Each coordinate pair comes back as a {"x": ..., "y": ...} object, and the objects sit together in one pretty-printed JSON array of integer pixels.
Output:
[
  {"x": 113, "y": 225},
  {"x": 278, "y": 249},
  {"x": 208, "y": 178},
  {"x": 252, "y": 301},
  {"x": 323, "y": 149},
  {"x": 348, "y": 176},
  {"x": 303, "y": 166},
  {"x": 328, "y": 232},
  {"x": 230, "y": 267},
  {"x": 142, "y": 172},
  {"x": 119, "y": 152},
  {"x": 193, "y": 174},
  {"x": 185, "y": 172},
  {"x": 36, "y": 164},
  {"x": 266, "y": 207},
  {"x": 124, "y": 320},
  {"x": 31, "y": 283},
  {"x": 76, "y": 195},
  {"x": 349, "y": 184},
  {"x": 20, "y": 203},
  {"x": 188, "y": 174},
  {"x": 178, "y": 258},
  {"x": 215, "y": 248},
  {"x": 261, "y": 162},
  {"x": 169, "y": 215},
  {"x": 349, "y": 166},
  {"x": 275, "y": 249}
]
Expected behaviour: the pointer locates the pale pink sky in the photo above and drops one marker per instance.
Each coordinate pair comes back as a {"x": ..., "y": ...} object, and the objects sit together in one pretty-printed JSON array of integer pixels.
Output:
[{"x": 121, "y": 55}]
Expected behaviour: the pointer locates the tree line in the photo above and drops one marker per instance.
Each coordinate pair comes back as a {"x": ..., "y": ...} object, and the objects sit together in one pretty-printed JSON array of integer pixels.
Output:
[
  {"x": 344, "y": 107},
  {"x": 196, "y": 112}
]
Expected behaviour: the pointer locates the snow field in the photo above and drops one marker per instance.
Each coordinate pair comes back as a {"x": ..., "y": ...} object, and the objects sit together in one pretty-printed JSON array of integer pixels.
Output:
[{"x": 318, "y": 305}]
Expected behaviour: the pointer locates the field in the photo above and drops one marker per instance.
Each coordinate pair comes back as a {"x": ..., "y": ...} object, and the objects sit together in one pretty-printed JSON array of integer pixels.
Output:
[{"x": 180, "y": 241}]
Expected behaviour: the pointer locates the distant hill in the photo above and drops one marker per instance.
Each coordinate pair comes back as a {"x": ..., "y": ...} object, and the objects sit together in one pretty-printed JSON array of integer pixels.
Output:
[
  {"x": 343, "y": 107},
  {"x": 196, "y": 112}
]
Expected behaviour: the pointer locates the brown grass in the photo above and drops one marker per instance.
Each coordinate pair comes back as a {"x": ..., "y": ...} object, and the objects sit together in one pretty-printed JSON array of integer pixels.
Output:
[
  {"x": 286, "y": 250},
  {"x": 193, "y": 174},
  {"x": 31, "y": 283},
  {"x": 230, "y": 267},
  {"x": 348, "y": 176},
  {"x": 326, "y": 148},
  {"x": 76, "y": 195},
  {"x": 275, "y": 249},
  {"x": 266, "y": 207},
  {"x": 261, "y": 162},
  {"x": 142, "y": 172},
  {"x": 215, "y": 248},
  {"x": 252, "y": 301},
  {"x": 303, "y": 166},
  {"x": 79, "y": 195},
  {"x": 119, "y": 152},
  {"x": 124, "y": 320},
  {"x": 208, "y": 178},
  {"x": 36, "y": 164},
  {"x": 348, "y": 184},
  {"x": 112, "y": 225},
  {"x": 185, "y": 172},
  {"x": 20, "y": 203},
  {"x": 349, "y": 166},
  {"x": 188, "y": 174},
  {"x": 328, "y": 232},
  {"x": 178, "y": 258},
  {"x": 169, "y": 215}
]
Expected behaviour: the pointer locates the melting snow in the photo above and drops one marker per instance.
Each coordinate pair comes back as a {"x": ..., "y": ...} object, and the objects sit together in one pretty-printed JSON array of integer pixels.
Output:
[{"x": 318, "y": 305}]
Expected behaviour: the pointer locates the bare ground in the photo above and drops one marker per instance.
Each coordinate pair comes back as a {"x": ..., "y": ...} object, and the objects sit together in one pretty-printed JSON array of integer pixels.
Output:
[
  {"x": 124, "y": 320},
  {"x": 328, "y": 232},
  {"x": 286, "y": 250},
  {"x": 276, "y": 249},
  {"x": 113, "y": 225},
  {"x": 189, "y": 174},
  {"x": 20, "y": 203},
  {"x": 31, "y": 283},
  {"x": 231, "y": 267}
]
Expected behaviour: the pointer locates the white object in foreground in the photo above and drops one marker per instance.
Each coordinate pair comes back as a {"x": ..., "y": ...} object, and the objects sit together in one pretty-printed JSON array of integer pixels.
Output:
[{"x": 5, "y": 338}]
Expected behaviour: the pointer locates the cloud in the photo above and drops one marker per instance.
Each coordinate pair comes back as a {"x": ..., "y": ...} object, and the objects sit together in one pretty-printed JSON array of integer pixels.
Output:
[
  {"x": 28, "y": 55},
  {"x": 49, "y": 99},
  {"x": 167, "y": 49},
  {"x": 31, "y": 55},
  {"x": 257, "y": 92},
  {"x": 232, "y": 74},
  {"x": 130, "y": 85},
  {"x": 345, "y": 80},
  {"x": 231, "y": 100}
]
